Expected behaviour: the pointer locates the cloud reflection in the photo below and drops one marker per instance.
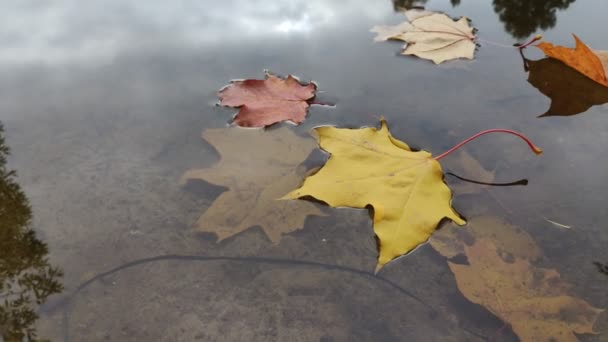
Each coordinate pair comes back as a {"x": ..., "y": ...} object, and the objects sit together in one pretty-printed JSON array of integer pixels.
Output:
[{"x": 64, "y": 30}]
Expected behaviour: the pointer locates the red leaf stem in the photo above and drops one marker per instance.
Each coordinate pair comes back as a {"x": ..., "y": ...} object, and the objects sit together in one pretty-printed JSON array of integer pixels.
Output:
[{"x": 533, "y": 147}]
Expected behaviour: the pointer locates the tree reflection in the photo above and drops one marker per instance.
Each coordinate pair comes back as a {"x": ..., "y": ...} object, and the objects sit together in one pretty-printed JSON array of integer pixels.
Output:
[
  {"x": 520, "y": 17},
  {"x": 523, "y": 17},
  {"x": 26, "y": 276},
  {"x": 401, "y": 5}
]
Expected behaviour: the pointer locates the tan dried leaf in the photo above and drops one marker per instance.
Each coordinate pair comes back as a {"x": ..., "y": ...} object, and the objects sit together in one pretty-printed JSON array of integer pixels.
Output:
[
  {"x": 432, "y": 35},
  {"x": 258, "y": 167},
  {"x": 509, "y": 240},
  {"x": 533, "y": 300}
]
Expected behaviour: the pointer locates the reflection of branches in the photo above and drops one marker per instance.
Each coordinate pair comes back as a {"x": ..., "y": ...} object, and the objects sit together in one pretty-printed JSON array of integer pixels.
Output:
[
  {"x": 523, "y": 17},
  {"x": 401, "y": 5},
  {"x": 520, "y": 17},
  {"x": 26, "y": 277}
]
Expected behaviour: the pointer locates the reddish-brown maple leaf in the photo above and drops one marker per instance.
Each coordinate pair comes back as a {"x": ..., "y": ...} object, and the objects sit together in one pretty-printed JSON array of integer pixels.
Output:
[{"x": 266, "y": 102}]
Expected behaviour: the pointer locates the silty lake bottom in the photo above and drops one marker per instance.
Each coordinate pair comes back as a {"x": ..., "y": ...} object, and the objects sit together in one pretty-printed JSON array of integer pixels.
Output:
[{"x": 103, "y": 107}]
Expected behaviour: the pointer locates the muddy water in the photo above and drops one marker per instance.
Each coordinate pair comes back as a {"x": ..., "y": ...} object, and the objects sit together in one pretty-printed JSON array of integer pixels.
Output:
[{"x": 103, "y": 106}]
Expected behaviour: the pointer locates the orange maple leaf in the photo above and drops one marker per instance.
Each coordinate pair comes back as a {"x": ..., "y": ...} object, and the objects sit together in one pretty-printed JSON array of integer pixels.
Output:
[{"x": 581, "y": 58}]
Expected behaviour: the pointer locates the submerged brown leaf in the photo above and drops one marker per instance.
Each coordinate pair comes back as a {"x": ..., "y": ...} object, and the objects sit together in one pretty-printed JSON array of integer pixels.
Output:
[
  {"x": 509, "y": 239},
  {"x": 500, "y": 276},
  {"x": 258, "y": 167},
  {"x": 533, "y": 300}
]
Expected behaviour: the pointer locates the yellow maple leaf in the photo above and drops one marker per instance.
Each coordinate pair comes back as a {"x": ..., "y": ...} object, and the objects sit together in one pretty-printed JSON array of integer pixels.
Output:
[
  {"x": 369, "y": 167},
  {"x": 257, "y": 167},
  {"x": 533, "y": 300}
]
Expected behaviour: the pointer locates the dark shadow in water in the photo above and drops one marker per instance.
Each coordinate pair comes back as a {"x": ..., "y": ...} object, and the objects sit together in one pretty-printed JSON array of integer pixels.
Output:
[
  {"x": 570, "y": 91},
  {"x": 602, "y": 268},
  {"x": 26, "y": 277},
  {"x": 521, "y": 18},
  {"x": 523, "y": 182}
]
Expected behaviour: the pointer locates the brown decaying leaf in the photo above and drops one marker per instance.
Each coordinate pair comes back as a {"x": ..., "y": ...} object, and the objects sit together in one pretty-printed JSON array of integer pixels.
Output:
[
  {"x": 266, "y": 102},
  {"x": 258, "y": 167},
  {"x": 570, "y": 91},
  {"x": 509, "y": 239},
  {"x": 500, "y": 276},
  {"x": 533, "y": 300},
  {"x": 581, "y": 58}
]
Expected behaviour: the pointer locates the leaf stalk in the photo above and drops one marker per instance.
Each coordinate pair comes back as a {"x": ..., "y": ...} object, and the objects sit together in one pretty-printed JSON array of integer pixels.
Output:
[
  {"x": 533, "y": 147},
  {"x": 535, "y": 39}
]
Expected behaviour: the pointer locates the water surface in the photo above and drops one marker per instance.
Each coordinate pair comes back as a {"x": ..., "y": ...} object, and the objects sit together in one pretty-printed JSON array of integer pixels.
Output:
[{"x": 103, "y": 107}]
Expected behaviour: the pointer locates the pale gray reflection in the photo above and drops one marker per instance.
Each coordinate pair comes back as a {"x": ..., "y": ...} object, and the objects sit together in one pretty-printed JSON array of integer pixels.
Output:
[{"x": 67, "y": 30}]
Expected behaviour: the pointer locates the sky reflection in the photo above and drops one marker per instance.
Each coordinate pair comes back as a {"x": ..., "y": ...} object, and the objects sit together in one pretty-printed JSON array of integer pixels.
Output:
[{"x": 66, "y": 30}]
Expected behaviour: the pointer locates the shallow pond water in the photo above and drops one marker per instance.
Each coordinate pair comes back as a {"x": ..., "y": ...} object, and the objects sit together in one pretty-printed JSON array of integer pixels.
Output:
[{"x": 103, "y": 105}]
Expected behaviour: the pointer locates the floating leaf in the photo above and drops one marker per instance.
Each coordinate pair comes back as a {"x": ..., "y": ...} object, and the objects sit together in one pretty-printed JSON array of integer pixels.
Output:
[
  {"x": 570, "y": 91},
  {"x": 257, "y": 167},
  {"x": 266, "y": 102},
  {"x": 369, "y": 167},
  {"x": 533, "y": 300},
  {"x": 432, "y": 35},
  {"x": 581, "y": 58}
]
